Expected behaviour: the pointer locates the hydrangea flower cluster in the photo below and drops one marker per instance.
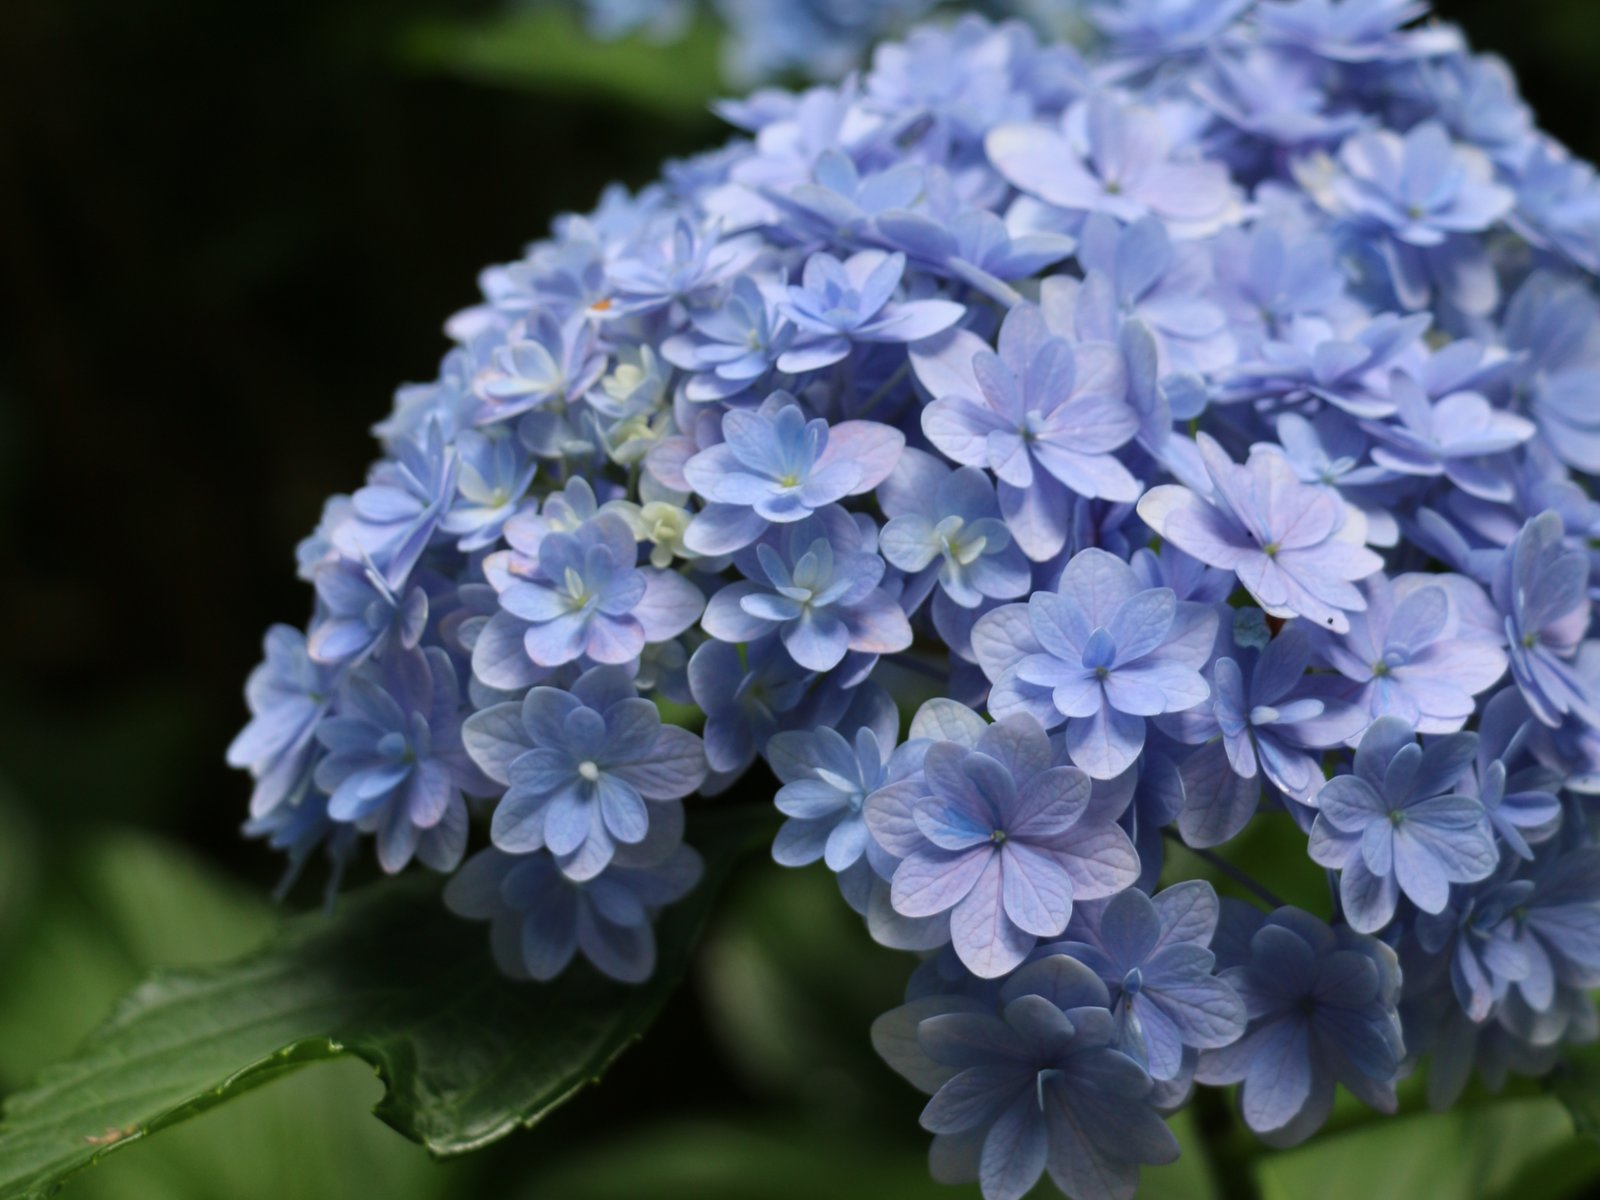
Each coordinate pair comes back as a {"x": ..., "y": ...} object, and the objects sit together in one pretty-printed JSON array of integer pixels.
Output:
[{"x": 1209, "y": 417}]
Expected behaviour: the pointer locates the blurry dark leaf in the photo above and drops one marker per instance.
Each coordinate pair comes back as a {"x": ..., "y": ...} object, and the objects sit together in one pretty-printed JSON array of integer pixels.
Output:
[
  {"x": 1491, "y": 1151},
  {"x": 101, "y": 912},
  {"x": 706, "y": 1160},
  {"x": 467, "y": 1055},
  {"x": 728, "y": 1160},
  {"x": 547, "y": 49},
  {"x": 793, "y": 983},
  {"x": 1576, "y": 1083}
]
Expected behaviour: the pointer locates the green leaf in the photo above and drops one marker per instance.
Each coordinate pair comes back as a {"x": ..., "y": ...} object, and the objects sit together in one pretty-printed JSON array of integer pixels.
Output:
[
  {"x": 100, "y": 918},
  {"x": 725, "y": 1159},
  {"x": 714, "y": 1159},
  {"x": 467, "y": 1055},
  {"x": 1480, "y": 1152},
  {"x": 548, "y": 50},
  {"x": 1576, "y": 1083},
  {"x": 308, "y": 1136}
]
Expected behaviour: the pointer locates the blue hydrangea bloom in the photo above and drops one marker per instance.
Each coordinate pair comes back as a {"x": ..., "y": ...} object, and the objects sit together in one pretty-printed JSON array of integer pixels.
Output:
[
  {"x": 1152, "y": 954},
  {"x": 1541, "y": 587},
  {"x": 1355, "y": 31},
  {"x": 1421, "y": 192},
  {"x": 731, "y": 346},
  {"x": 1043, "y": 415},
  {"x": 1113, "y": 158},
  {"x": 1480, "y": 936},
  {"x": 1259, "y": 725},
  {"x": 1321, "y": 1005},
  {"x": 815, "y": 583},
  {"x": 776, "y": 467},
  {"x": 1137, "y": 274},
  {"x": 743, "y": 697},
  {"x": 394, "y": 517},
  {"x": 1412, "y": 653},
  {"x": 974, "y": 387},
  {"x": 543, "y": 364},
  {"x": 541, "y": 917},
  {"x": 1152, "y": 30},
  {"x": 839, "y": 304},
  {"x": 495, "y": 476},
  {"x": 395, "y": 764},
  {"x": 1006, "y": 841},
  {"x": 1517, "y": 793},
  {"x": 289, "y": 694},
  {"x": 1395, "y": 826},
  {"x": 826, "y": 781},
  {"x": 1561, "y": 921},
  {"x": 361, "y": 611},
  {"x": 1101, "y": 653},
  {"x": 945, "y": 530},
  {"x": 583, "y": 598},
  {"x": 1296, "y": 549},
  {"x": 583, "y": 769},
  {"x": 1029, "y": 1083}
]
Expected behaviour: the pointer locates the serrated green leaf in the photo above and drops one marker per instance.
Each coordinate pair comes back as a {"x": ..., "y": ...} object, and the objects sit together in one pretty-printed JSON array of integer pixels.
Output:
[{"x": 466, "y": 1055}]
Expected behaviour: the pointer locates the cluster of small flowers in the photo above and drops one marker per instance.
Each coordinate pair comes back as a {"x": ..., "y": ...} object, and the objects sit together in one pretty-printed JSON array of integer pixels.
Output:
[{"x": 1202, "y": 422}]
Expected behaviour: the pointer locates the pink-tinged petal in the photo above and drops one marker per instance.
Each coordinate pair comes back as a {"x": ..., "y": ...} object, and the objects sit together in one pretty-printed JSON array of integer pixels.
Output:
[
  {"x": 1036, "y": 890},
  {"x": 1003, "y": 638},
  {"x": 931, "y": 881},
  {"x": 1039, "y": 160},
  {"x": 614, "y": 641},
  {"x": 960, "y": 427},
  {"x": 873, "y": 449},
  {"x": 1369, "y": 900},
  {"x": 1050, "y": 804},
  {"x": 726, "y": 620},
  {"x": 1106, "y": 744},
  {"x": 1098, "y": 583},
  {"x": 675, "y": 766},
  {"x": 890, "y": 816},
  {"x": 1140, "y": 623},
  {"x": 1205, "y": 533},
  {"x": 943, "y": 364},
  {"x": 1037, "y": 516},
  {"x": 1101, "y": 861},
  {"x": 1155, "y": 685},
  {"x": 878, "y": 625},
  {"x": 986, "y": 940}
]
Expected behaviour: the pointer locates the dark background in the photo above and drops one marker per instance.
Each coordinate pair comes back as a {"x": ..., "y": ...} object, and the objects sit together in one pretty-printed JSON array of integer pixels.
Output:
[{"x": 227, "y": 232}]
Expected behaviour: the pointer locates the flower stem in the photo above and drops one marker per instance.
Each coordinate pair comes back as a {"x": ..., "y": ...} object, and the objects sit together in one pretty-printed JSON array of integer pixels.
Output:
[{"x": 1243, "y": 878}]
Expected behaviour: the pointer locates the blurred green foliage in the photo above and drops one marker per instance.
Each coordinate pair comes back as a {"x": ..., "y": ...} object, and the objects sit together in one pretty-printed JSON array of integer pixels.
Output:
[{"x": 225, "y": 234}]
